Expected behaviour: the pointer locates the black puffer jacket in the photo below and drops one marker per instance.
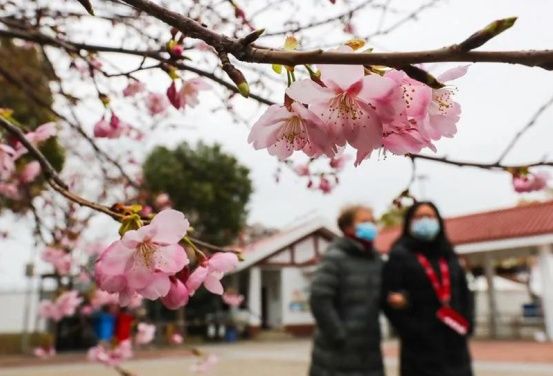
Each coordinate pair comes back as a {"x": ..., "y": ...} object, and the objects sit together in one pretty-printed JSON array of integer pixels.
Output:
[
  {"x": 428, "y": 347},
  {"x": 345, "y": 302}
]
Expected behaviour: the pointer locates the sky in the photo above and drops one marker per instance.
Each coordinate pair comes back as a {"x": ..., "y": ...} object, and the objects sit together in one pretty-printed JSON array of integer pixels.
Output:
[{"x": 497, "y": 100}]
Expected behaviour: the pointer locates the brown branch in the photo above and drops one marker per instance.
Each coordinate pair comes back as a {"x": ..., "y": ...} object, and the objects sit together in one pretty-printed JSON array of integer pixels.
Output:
[
  {"x": 153, "y": 54},
  {"x": 29, "y": 92},
  {"x": 257, "y": 54},
  {"x": 485, "y": 166}
]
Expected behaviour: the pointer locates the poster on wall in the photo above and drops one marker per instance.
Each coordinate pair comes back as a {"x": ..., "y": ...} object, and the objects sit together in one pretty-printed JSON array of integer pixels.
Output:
[{"x": 299, "y": 302}]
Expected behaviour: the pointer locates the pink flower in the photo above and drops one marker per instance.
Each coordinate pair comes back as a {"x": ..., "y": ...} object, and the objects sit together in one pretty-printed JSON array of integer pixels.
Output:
[
  {"x": 302, "y": 169},
  {"x": 60, "y": 259},
  {"x": 233, "y": 299},
  {"x": 156, "y": 103},
  {"x": 114, "y": 129},
  {"x": 176, "y": 339},
  {"x": 530, "y": 182},
  {"x": 210, "y": 273},
  {"x": 30, "y": 172},
  {"x": 443, "y": 113},
  {"x": 401, "y": 137},
  {"x": 162, "y": 201},
  {"x": 135, "y": 301},
  {"x": 7, "y": 161},
  {"x": 134, "y": 87},
  {"x": 10, "y": 190},
  {"x": 339, "y": 161},
  {"x": 325, "y": 186},
  {"x": 87, "y": 310},
  {"x": 111, "y": 357},
  {"x": 42, "y": 133},
  {"x": 65, "y": 305},
  {"x": 284, "y": 130},
  {"x": 101, "y": 298},
  {"x": 345, "y": 104},
  {"x": 205, "y": 364},
  {"x": 44, "y": 352},
  {"x": 145, "y": 333},
  {"x": 188, "y": 93},
  {"x": 144, "y": 259},
  {"x": 177, "y": 296}
]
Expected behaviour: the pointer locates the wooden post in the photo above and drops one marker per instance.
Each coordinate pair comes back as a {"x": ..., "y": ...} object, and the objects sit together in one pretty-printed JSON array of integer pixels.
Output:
[
  {"x": 546, "y": 272},
  {"x": 492, "y": 302}
]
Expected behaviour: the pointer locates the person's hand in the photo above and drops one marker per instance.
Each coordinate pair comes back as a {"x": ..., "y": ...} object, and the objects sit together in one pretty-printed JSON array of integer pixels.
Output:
[{"x": 397, "y": 300}]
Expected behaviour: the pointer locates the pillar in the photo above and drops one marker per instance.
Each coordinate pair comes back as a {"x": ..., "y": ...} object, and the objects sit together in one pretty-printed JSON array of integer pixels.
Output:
[
  {"x": 254, "y": 298},
  {"x": 546, "y": 272},
  {"x": 492, "y": 302}
]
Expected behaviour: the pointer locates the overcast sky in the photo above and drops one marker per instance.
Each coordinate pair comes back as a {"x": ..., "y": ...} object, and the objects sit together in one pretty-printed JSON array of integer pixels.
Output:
[{"x": 496, "y": 100}]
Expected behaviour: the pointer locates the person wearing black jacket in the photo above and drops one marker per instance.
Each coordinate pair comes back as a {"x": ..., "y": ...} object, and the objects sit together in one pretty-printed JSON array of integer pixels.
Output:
[
  {"x": 432, "y": 319},
  {"x": 345, "y": 301}
]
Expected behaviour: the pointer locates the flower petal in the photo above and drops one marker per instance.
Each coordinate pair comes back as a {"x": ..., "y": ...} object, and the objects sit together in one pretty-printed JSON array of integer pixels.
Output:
[
  {"x": 309, "y": 92},
  {"x": 114, "y": 259},
  {"x": 170, "y": 227},
  {"x": 376, "y": 87},
  {"x": 453, "y": 73},
  {"x": 223, "y": 262},
  {"x": 196, "y": 279},
  {"x": 170, "y": 259},
  {"x": 157, "y": 287},
  {"x": 213, "y": 284},
  {"x": 341, "y": 75}
]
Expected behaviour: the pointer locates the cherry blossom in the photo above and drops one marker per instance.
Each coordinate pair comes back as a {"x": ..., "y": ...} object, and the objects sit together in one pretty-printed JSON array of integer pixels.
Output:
[
  {"x": 156, "y": 103},
  {"x": 187, "y": 95},
  {"x": 345, "y": 103},
  {"x": 134, "y": 87},
  {"x": 177, "y": 296},
  {"x": 530, "y": 182},
  {"x": 60, "y": 259},
  {"x": 65, "y": 305},
  {"x": 443, "y": 113},
  {"x": 211, "y": 271},
  {"x": 7, "y": 161},
  {"x": 176, "y": 339},
  {"x": 145, "y": 333},
  {"x": 115, "y": 128},
  {"x": 101, "y": 298},
  {"x": 10, "y": 190},
  {"x": 283, "y": 130},
  {"x": 44, "y": 352},
  {"x": 233, "y": 299},
  {"x": 30, "y": 172},
  {"x": 42, "y": 133},
  {"x": 144, "y": 259},
  {"x": 111, "y": 357}
]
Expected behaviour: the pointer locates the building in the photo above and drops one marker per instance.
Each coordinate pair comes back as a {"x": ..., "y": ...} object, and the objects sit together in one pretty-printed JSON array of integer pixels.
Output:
[
  {"x": 275, "y": 277},
  {"x": 277, "y": 270}
]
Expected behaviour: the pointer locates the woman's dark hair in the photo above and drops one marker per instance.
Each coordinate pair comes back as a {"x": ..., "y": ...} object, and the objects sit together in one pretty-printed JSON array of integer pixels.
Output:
[{"x": 441, "y": 240}]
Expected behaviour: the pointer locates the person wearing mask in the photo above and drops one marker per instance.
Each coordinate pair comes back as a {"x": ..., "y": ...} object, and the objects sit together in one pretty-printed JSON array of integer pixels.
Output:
[
  {"x": 426, "y": 298},
  {"x": 344, "y": 299}
]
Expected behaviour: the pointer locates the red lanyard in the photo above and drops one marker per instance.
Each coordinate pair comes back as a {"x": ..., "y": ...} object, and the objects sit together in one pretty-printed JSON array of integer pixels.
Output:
[{"x": 443, "y": 289}]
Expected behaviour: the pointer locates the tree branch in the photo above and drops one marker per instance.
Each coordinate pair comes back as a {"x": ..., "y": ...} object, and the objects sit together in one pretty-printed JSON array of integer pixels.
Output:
[{"x": 486, "y": 166}]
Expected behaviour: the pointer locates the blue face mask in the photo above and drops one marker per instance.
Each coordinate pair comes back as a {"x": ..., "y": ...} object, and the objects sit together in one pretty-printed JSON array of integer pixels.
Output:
[
  {"x": 366, "y": 231},
  {"x": 425, "y": 228}
]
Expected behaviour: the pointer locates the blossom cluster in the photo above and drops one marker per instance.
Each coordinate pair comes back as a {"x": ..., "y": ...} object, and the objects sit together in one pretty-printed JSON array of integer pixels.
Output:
[
  {"x": 346, "y": 104},
  {"x": 15, "y": 174},
  {"x": 530, "y": 182},
  {"x": 156, "y": 104},
  {"x": 150, "y": 262},
  {"x": 64, "y": 305}
]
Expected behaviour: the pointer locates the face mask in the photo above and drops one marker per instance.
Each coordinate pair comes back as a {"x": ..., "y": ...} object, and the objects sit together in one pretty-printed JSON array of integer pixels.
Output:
[
  {"x": 366, "y": 231},
  {"x": 425, "y": 228}
]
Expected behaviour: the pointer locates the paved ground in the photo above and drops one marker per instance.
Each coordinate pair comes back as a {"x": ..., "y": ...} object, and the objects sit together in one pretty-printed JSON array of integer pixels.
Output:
[{"x": 283, "y": 358}]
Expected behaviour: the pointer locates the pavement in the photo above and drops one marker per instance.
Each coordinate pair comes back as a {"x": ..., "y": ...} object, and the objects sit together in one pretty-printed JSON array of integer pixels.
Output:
[{"x": 288, "y": 358}]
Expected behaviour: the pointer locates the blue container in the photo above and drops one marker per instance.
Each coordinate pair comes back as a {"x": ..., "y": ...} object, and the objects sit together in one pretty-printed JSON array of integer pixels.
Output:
[{"x": 231, "y": 334}]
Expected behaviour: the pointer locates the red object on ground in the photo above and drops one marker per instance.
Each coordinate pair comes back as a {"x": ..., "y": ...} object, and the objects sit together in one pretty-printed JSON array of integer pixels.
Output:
[{"x": 123, "y": 326}]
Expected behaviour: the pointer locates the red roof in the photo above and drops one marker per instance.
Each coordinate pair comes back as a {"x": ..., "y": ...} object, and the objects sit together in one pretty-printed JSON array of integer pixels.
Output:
[{"x": 518, "y": 221}]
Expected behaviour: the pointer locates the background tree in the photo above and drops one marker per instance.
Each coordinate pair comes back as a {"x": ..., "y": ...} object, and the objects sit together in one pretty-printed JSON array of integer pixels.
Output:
[{"x": 212, "y": 187}]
